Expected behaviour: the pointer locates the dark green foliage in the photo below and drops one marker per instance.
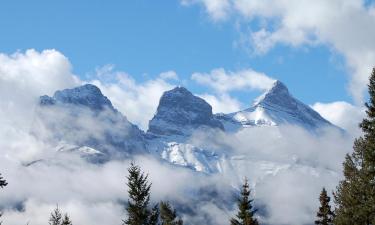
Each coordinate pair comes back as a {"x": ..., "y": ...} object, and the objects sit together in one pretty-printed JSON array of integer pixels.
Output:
[
  {"x": 139, "y": 197},
  {"x": 56, "y": 217},
  {"x": 325, "y": 215},
  {"x": 154, "y": 217},
  {"x": 355, "y": 195},
  {"x": 3, "y": 182},
  {"x": 66, "y": 220},
  {"x": 168, "y": 215},
  {"x": 245, "y": 215}
]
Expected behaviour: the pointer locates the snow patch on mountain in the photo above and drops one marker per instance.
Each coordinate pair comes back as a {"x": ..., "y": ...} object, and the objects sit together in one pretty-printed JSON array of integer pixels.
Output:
[{"x": 275, "y": 107}]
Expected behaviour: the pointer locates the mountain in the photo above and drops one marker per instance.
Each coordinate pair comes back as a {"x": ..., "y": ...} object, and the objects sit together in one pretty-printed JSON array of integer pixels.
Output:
[
  {"x": 180, "y": 112},
  {"x": 83, "y": 116},
  {"x": 185, "y": 133},
  {"x": 87, "y": 95},
  {"x": 180, "y": 115},
  {"x": 275, "y": 107}
]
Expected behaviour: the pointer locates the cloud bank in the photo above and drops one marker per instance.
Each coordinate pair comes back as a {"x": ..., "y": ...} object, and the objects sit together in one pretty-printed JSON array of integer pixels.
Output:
[
  {"x": 138, "y": 101},
  {"x": 294, "y": 161}
]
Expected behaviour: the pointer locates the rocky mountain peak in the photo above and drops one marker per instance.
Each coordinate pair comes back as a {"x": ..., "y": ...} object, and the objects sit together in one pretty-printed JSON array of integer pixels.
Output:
[
  {"x": 278, "y": 94},
  {"x": 87, "y": 95},
  {"x": 179, "y": 110}
]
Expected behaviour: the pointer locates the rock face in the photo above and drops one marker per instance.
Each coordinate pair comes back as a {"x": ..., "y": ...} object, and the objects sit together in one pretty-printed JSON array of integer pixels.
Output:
[
  {"x": 275, "y": 107},
  {"x": 87, "y": 95},
  {"x": 83, "y": 116},
  {"x": 179, "y": 112}
]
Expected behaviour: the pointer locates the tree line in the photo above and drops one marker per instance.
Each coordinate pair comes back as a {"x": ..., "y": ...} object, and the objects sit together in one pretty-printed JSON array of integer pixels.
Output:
[
  {"x": 354, "y": 197},
  {"x": 139, "y": 211}
]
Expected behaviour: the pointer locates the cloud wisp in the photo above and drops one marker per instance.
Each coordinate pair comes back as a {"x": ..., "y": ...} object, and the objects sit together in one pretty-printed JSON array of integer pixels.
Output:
[{"x": 343, "y": 26}]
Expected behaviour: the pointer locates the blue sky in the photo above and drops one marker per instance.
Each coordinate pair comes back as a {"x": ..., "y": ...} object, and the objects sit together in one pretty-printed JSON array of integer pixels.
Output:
[{"x": 145, "y": 38}]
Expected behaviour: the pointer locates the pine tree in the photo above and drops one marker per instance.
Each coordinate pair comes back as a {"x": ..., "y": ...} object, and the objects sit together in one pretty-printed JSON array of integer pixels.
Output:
[
  {"x": 66, "y": 220},
  {"x": 245, "y": 215},
  {"x": 139, "y": 194},
  {"x": 3, "y": 183},
  {"x": 154, "y": 217},
  {"x": 56, "y": 217},
  {"x": 325, "y": 215},
  {"x": 168, "y": 215},
  {"x": 355, "y": 195}
]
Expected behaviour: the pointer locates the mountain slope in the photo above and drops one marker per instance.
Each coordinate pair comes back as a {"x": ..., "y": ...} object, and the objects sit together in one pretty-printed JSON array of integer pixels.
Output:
[
  {"x": 180, "y": 112},
  {"x": 83, "y": 116},
  {"x": 276, "y": 107}
]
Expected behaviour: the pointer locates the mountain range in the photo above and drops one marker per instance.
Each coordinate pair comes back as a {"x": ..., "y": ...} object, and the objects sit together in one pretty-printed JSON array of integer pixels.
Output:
[{"x": 84, "y": 121}]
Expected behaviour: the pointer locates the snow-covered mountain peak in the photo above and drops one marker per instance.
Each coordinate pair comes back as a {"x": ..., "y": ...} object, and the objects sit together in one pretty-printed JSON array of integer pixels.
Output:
[
  {"x": 179, "y": 112},
  {"x": 87, "y": 95},
  {"x": 275, "y": 107},
  {"x": 277, "y": 94}
]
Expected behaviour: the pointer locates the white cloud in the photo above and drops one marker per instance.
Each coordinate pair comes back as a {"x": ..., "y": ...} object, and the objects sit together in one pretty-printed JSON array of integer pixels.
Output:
[
  {"x": 283, "y": 164},
  {"x": 137, "y": 101},
  {"x": 169, "y": 75},
  {"x": 218, "y": 9},
  {"x": 23, "y": 78},
  {"x": 26, "y": 76},
  {"x": 345, "y": 27},
  {"x": 225, "y": 81},
  {"x": 342, "y": 114},
  {"x": 222, "y": 103}
]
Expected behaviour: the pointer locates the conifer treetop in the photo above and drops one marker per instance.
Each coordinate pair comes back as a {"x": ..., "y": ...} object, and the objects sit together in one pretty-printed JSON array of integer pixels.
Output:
[
  {"x": 324, "y": 215},
  {"x": 245, "y": 215}
]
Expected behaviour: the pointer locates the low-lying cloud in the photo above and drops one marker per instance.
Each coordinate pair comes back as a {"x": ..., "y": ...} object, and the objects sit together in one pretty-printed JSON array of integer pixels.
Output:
[{"x": 284, "y": 164}]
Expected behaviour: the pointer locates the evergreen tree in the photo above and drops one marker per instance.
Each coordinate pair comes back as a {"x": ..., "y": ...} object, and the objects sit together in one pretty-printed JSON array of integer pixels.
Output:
[
  {"x": 168, "y": 215},
  {"x": 154, "y": 217},
  {"x": 66, "y": 220},
  {"x": 355, "y": 195},
  {"x": 56, "y": 217},
  {"x": 139, "y": 194},
  {"x": 3, "y": 183},
  {"x": 245, "y": 215},
  {"x": 325, "y": 215}
]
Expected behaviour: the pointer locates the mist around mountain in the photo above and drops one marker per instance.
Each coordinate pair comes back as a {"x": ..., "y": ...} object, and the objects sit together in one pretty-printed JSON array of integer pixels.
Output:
[
  {"x": 196, "y": 159},
  {"x": 78, "y": 145}
]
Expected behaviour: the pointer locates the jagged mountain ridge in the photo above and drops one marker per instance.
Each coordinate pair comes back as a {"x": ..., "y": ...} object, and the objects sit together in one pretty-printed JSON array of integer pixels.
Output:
[
  {"x": 275, "y": 107},
  {"x": 175, "y": 120},
  {"x": 179, "y": 114},
  {"x": 87, "y": 95},
  {"x": 83, "y": 116},
  {"x": 182, "y": 116}
]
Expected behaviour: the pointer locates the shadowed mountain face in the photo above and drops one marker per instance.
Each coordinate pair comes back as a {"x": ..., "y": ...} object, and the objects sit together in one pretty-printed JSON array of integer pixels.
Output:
[
  {"x": 83, "y": 116},
  {"x": 180, "y": 112},
  {"x": 87, "y": 95},
  {"x": 276, "y": 107}
]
